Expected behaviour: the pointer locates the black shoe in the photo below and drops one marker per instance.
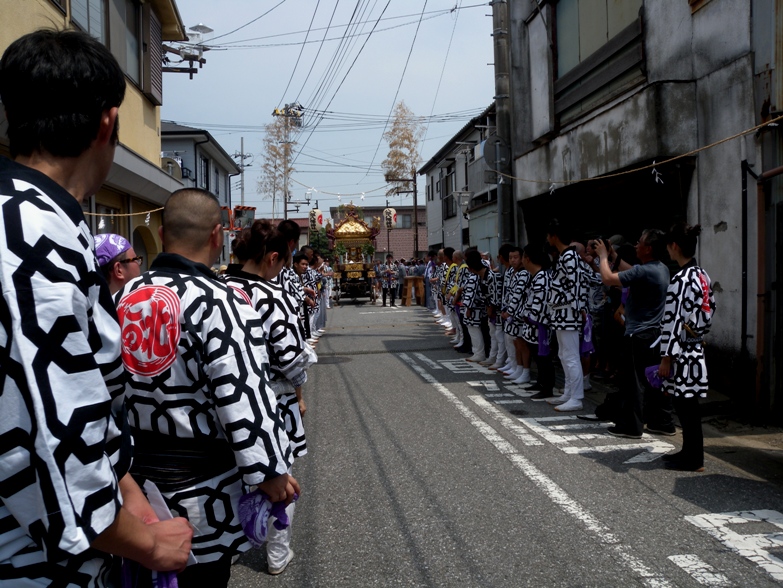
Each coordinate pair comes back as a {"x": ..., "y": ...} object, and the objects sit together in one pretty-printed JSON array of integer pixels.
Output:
[
  {"x": 393, "y": 304},
  {"x": 666, "y": 431},
  {"x": 589, "y": 417},
  {"x": 672, "y": 457},
  {"x": 464, "y": 349},
  {"x": 683, "y": 466},
  {"x": 615, "y": 432},
  {"x": 540, "y": 396},
  {"x": 384, "y": 304}
]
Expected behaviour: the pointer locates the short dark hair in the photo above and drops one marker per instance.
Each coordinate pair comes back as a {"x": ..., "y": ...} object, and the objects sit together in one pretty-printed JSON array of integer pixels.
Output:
[
  {"x": 473, "y": 259},
  {"x": 290, "y": 230},
  {"x": 448, "y": 252},
  {"x": 560, "y": 230},
  {"x": 306, "y": 248},
  {"x": 190, "y": 216},
  {"x": 55, "y": 85},
  {"x": 504, "y": 250},
  {"x": 685, "y": 236},
  {"x": 537, "y": 255},
  {"x": 261, "y": 238},
  {"x": 656, "y": 239},
  {"x": 299, "y": 257}
]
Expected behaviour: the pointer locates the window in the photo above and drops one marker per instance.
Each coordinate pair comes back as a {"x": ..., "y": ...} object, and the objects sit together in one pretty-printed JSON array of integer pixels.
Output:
[
  {"x": 203, "y": 173},
  {"x": 403, "y": 221},
  {"x": 89, "y": 16},
  {"x": 125, "y": 36},
  {"x": 449, "y": 207},
  {"x": 59, "y": 4},
  {"x": 108, "y": 221},
  {"x": 217, "y": 182},
  {"x": 599, "y": 52}
]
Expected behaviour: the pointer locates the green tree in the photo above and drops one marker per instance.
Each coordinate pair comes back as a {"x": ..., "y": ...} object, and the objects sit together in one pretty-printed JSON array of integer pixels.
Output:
[
  {"x": 403, "y": 138},
  {"x": 319, "y": 241}
]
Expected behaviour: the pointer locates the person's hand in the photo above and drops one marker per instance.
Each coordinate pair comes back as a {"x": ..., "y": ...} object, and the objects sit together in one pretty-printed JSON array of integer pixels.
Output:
[
  {"x": 302, "y": 407},
  {"x": 468, "y": 313},
  {"x": 665, "y": 369},
  {"x": 310, "y": 302},
  {"x": 505, "y": 316},
  {"x": 281, "y": 488},
  {"x": 171, "y": 545},
  {"x": 601, "y": 250}
]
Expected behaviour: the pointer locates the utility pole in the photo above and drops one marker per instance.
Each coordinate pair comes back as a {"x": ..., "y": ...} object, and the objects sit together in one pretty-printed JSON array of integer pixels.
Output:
[
  {"x": 415, "y": 208},
  {"x": 506, "y": 208},
  {"x": 242, "y": 156}
]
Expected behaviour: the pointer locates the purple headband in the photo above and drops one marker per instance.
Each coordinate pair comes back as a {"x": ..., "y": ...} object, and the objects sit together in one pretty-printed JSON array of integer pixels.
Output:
[{"x": 108, "y": 246}]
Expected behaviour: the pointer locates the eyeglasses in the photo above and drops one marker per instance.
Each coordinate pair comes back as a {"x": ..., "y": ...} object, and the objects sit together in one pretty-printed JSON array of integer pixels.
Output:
[{"x": 138, "y": 260}]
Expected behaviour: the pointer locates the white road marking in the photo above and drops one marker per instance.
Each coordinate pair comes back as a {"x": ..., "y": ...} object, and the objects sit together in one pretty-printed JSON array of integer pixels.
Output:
[
  {"x": 653, "y": 448},
  {"x": 433, "y": 365},
  {"x": 701, "y": 571},
  {"x": 386, "y": 310},
  {"x": 515, "y": 401},
  {"x": 555, "y": 493},
  {"x": 490, "y": 385},
  {"x": 460, "y": 366},
  {"x": 518, "y": 430},
  {"x": 499, "y": 395},
  {"x": 752, "y": 546}
]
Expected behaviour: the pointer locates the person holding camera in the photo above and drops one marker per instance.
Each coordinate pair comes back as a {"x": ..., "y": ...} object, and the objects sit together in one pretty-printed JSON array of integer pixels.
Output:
[{"x": 647, "y": 283}]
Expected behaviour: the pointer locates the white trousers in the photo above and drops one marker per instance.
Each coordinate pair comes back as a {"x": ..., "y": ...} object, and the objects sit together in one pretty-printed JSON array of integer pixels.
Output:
[
  {"x": 278, "y": 543},
  {"x": 511, "y": 350},
  {"x": 568, "y": 342},
  {"x": 455, "y": 324},
  {"x": 498, "y": 349},
  {"x": 476, "y": 340}
]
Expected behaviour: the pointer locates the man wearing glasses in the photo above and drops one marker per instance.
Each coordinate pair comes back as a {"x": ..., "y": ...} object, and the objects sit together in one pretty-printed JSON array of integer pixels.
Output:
[{"x": 117, "y": 260}]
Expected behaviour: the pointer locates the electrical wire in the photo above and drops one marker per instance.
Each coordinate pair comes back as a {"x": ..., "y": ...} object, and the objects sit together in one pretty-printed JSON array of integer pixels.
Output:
[
  {"x": 248, "y": 23},
  {"x": 442, "y": 71},
  {"x": 402, "y": 77},
  {"x": 301, "y": 50}
]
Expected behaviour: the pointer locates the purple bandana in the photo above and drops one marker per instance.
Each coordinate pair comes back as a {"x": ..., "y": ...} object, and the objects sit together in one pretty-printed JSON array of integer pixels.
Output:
[
  {"x": 108, "y": 246},
  {"x": 255, "y": 508}
]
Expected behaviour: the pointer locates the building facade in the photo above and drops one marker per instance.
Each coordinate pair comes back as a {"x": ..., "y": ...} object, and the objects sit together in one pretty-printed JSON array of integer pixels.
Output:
[
  {"x": 134, "y": 32},
  {"x": 461, "y": 190},
  {"x": 601, "y": 88}
]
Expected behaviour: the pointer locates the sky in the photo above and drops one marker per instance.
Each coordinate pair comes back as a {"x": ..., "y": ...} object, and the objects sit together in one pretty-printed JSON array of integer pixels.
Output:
[{"x": 347, "y": 87}]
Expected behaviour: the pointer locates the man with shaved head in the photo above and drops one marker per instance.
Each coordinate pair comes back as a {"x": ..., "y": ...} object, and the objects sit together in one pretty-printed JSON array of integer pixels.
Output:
[{"x": 203, "y": 416}]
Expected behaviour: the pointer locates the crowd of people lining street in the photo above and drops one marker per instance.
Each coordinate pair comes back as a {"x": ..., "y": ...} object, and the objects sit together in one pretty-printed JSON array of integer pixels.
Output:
[
  {"x": 610, "y": 310},
  {"x": 128, "y": 397}
]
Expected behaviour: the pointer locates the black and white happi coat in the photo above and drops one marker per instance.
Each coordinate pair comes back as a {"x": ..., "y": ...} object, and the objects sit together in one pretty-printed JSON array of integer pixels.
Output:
[
  {"x": 440, "y": 274},
  {"x": 388, "y": 281},
  {"x": 590, "y": 282},
  {"x": 452, "y": 273},
  {"x": 689, "y": 301},
  {"x": 473, "y": 298},
  {"x": 203, "y": 416},
  {"x": 289, "y": 353},
  {"x": 516, "y": 289},
  {"x": 289, "y": 281},
  {"x": 312, "y": 279},
  {"x": 565, "y": 300},
  {"x": 533, "y": 308},
  {"x": 64, "y": 441}
]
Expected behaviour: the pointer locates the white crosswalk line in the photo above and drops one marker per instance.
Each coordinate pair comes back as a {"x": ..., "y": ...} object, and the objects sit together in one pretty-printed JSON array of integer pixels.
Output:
[{"x": 701, "y": 571}]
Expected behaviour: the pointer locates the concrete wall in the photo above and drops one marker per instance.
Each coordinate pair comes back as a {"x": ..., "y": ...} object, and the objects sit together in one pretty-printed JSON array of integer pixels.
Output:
[{"x": 699, "y": 89}]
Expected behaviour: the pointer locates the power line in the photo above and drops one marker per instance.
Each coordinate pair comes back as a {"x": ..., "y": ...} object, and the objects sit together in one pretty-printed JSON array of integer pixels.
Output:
[
  {"x": 249, "y": 23},
  {"x": 402, "y": 77},
  {"x": 442, "y": 71},
  {"x": 301, "y": 50},
  {"x": 318, "y": 53}
]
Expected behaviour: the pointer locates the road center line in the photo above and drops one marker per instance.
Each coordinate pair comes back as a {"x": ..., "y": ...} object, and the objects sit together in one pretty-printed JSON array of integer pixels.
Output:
[{"x": 555, "y": 493}]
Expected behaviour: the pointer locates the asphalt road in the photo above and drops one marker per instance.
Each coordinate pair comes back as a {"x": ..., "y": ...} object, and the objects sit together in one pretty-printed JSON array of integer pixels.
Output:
[{"x": 424, "y": 470}]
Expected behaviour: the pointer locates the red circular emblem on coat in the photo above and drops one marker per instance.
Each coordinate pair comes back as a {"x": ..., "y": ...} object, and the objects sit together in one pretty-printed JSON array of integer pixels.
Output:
[{"x": 149, "y": 319}]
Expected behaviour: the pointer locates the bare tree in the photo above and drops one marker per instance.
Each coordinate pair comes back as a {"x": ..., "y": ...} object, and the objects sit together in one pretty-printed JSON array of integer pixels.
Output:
[
  {"x": 276, "y": 158},
  {"x": 403, "y": 138}
]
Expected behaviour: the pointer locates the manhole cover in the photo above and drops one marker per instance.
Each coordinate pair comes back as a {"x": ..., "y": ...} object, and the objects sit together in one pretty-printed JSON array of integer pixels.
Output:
[{"x": 333, "y": 359}]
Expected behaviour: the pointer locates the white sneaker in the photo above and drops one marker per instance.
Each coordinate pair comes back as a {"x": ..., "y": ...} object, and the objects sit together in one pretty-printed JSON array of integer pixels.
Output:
[
  {"x": 516, "y": 373},
  {"x": 524, "y": 378},
  {"x": 477, "y": 358},
  {"x": 276, "y": 571},
  {"x": 557, "y": 400},
  {"x": 586, "y": 383},
  {"x": 572, "y": 404},
  {"x": 488, "y": 362}
]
